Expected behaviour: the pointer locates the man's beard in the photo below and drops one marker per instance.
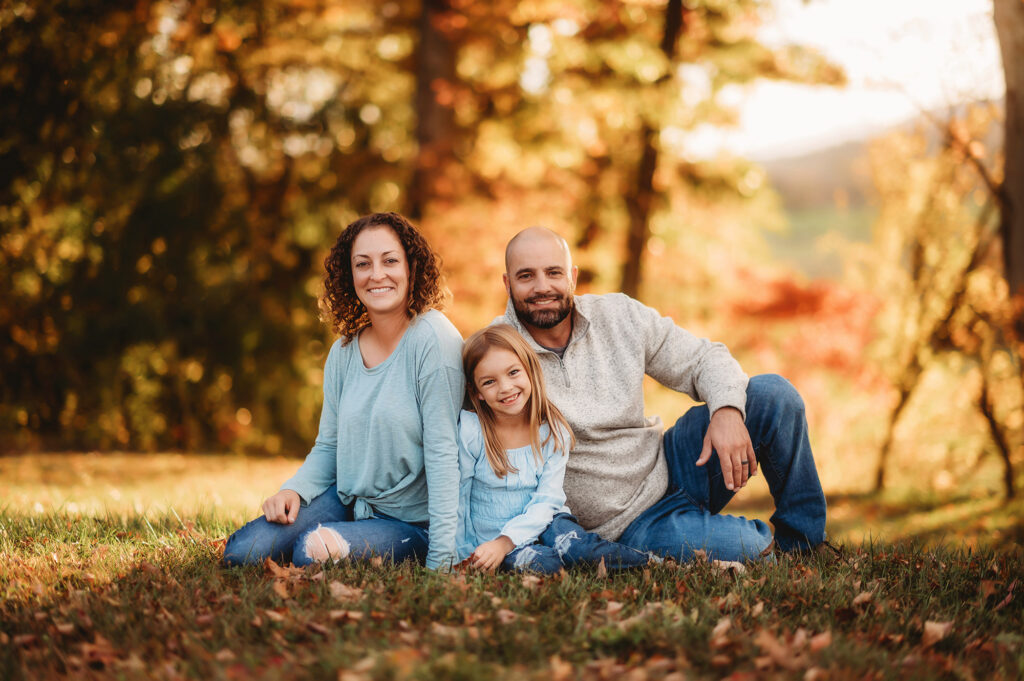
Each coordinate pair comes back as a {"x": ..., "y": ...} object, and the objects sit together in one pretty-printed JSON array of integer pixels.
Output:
[{"x": 545, "y": 318}]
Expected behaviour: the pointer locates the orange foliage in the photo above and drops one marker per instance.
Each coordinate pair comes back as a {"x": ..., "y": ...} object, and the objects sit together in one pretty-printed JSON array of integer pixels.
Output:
[{"x": 831, "y": 324}]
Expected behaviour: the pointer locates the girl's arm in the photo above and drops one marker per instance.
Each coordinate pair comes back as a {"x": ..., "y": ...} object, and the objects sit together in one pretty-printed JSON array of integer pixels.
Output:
[
  {"x": 547, "y": 500},
  {"x": 320, "y": 469}
]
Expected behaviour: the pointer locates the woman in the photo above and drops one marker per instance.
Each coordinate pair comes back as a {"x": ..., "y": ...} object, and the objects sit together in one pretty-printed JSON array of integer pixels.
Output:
[{"x": 392, "y": 390}]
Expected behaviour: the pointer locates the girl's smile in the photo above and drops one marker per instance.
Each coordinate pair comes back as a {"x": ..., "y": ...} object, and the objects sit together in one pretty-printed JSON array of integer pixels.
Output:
[{"x": 502, "y": 383}]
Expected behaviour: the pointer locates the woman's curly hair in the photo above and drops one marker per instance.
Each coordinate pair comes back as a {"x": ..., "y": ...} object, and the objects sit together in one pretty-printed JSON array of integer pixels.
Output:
[{"x": 341, "y": 306}]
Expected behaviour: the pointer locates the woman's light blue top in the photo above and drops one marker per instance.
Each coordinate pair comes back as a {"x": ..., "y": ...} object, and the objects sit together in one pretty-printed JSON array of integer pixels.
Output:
[
  {"x": 389, "y": 433},
  {"x": 520, "y": 505}
]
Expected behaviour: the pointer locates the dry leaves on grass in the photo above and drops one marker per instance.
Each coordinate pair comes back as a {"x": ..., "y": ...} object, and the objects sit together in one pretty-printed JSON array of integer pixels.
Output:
[
  {"x": 343, "y": 592},
  {"x": 935, "y": 632}
]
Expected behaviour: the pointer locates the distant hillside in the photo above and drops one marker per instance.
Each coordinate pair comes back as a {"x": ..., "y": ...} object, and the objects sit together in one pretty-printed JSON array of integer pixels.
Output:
[
  {"x": 840, "y": 174},
  {"x": 820, "y": 178}
]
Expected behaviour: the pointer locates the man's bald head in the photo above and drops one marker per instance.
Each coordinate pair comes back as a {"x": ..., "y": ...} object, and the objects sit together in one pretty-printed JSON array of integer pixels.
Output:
[{"x": 535, "y": 238}]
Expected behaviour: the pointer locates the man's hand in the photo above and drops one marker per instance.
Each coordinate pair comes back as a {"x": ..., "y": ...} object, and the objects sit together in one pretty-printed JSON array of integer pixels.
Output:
[
  {"x": 728, "y": 435},
  {"x": 283, "y": 507},
  {"x": 488, "y": 556}
]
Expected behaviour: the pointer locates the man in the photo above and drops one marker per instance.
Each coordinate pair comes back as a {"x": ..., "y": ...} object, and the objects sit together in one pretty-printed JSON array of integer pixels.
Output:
[{"x": 628, "y": 481}]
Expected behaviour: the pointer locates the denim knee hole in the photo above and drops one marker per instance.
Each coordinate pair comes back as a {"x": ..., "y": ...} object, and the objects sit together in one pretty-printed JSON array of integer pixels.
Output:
[{"x": 318, "y": 548}]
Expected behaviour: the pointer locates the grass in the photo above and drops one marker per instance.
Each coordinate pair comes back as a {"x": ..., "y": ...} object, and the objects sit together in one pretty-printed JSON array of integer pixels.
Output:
[{"x": 138, "y": 594}]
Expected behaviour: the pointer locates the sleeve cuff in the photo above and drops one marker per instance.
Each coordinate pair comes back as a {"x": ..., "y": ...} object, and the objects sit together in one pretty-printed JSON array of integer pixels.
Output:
[{"x": 736, "y": 399}]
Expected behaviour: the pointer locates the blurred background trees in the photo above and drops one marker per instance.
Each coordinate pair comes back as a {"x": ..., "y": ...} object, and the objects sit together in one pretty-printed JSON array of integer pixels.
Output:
[{"x": 173, "y": 173}]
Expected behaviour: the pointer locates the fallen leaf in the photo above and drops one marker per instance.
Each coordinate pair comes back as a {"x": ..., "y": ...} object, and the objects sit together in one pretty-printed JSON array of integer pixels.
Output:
[
  {"x": 821, "y": 641},
  {"x": 343, "y": 592},
  {"x": 718, "y": 638},
  {"x": 279, "y": 572},
  {"x": 224, "y": 655},
  {"x": 346, "y": 675},
  {"x": 274, "y": 616},
  {"x": 935, "y": 632},
  {"x": 444, "y": 630},
  {"x": 815, "y": 674},
  {"x": 774, "y": 649},
  {"x": 404, "y": 661},
  {"x": 530, "y": 581},
  {"x": 346, "y": 615},
  {"x": 799, "y": 640},
  {"x": 317, "y": 628},
  {"x": 1009, "y": 597},
  {"x": 65, "y": 628},
  {"x": 732, "y": 566},
  {"x": 376, "y": 561},
  {"x": 560, "y": 669},
  {"x": 721, "y": 660},
  {"x": 602, "y": 569},
  {"x": 757, "y": 609},
  {"x": 862, "y": 598},
  {"x": 98, "y": 653},
  {"x": 24, "y": 639},
  {"x": 506, "y": 616},
  {"x": 613, "y": 609},
  {"x": 281, "y": 588},
  {"x": 988, "y": 587},
  {"x": 700, "y": 555}
]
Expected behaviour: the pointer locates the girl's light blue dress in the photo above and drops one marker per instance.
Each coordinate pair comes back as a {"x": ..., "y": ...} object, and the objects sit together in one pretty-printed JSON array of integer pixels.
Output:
[
  {"x": 520, "y": 505},
  {"x": 528, "y": 507}
]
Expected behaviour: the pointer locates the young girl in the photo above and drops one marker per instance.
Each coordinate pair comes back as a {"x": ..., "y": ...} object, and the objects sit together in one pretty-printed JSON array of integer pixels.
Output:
[{"x": 513, "y": 448}]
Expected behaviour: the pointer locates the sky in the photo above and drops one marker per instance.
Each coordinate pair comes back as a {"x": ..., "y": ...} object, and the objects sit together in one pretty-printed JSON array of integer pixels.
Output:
[{"x": 899, "y": 55}]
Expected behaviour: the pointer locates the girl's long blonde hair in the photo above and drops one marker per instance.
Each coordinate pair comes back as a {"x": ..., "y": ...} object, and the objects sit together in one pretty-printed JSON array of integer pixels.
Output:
[{"x": 539, "y": 408}]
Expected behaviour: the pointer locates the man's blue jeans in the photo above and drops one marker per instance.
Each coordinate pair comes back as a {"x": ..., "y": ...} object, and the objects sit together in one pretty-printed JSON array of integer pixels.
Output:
[
  {"x": 383, "y": 536},
  {"x": 688, "y": 517}
]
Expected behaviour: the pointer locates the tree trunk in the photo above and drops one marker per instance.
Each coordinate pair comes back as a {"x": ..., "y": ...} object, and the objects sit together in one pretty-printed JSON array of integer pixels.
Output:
[
  {"x": 638, "y": 200},
  {"x": 1009, "y": 20},
  {"x": 999, "y": 436},
  {"x": 435, "y": 120}
]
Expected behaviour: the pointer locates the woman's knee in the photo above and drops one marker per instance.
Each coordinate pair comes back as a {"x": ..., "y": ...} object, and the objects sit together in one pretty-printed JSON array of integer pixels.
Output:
[{"x": 321, "y": 545}]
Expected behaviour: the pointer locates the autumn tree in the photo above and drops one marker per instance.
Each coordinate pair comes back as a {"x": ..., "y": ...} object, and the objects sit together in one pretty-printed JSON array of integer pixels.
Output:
[
  {"x": 1009, "y": 22},
  {"x": 935, "y": 261}
]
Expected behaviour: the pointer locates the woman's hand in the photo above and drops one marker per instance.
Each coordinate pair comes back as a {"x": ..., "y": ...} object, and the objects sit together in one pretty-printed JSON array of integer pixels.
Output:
[
  {"x": 283, "y": 507},
  {"x": 488, "y": 556}
]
